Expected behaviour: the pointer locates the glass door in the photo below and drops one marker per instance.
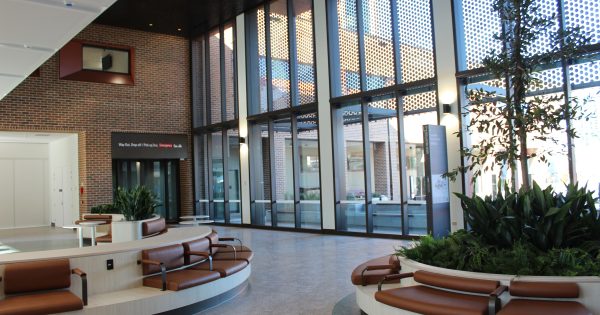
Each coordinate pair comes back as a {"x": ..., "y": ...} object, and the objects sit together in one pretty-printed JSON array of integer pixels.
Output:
[{"x": 160, "y": 176}]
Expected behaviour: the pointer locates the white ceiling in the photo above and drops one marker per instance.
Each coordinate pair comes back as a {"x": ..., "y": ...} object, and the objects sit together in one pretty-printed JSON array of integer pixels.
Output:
[
  {"x": 31, "y": 31},
  {"x": 31, "y": 137}
]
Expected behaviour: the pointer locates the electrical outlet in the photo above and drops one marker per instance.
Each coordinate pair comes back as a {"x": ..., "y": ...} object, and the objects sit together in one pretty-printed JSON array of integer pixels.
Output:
[{"x": 110, "y": 265}]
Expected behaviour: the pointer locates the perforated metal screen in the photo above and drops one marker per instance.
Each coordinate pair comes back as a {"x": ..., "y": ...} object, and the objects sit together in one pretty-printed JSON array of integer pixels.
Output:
[
  {"x": 479, "y": 24},
  {"x": 416, "y": 40},
  {"x": 215, "y": 76},
  {"x": 305, "y": 51},
  {"x": 379, "y": 44},
  {"x": 348, "y": 47},
  {"x": 421, "y": 101},
  {"x": 280, "y": 54}
]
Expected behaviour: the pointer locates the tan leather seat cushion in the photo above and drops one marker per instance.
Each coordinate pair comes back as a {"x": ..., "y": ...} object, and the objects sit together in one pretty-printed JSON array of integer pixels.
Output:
[
  {"x": 247, "y": 256},
  {"x": 182, "y": 279},
  {"x": 456, "y": 283},
  {"x": 104, "y": 238},
  {"x": 171, "y": 256},
  {"x": 36, "y": 276},
  {"x": 41, "y": 303},
  {"x": 153, "y": 227},
  {"x": 199, "y": 245},
  {"x": 374, "y": 276},
  {"x": 223, "y": 267},
  {"x": 426, "y": 300},
  {"x": 537, "y": 307}
]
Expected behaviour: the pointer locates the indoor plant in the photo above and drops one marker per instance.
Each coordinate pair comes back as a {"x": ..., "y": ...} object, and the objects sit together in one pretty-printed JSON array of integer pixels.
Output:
[{"x": 136, "y": 205}]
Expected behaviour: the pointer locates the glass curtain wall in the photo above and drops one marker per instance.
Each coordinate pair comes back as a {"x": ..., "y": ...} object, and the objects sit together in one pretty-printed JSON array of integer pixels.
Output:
[
  {"x": 283, "y": 138},
  {"x": 576, "y": 80},
  {"x": 383, "y": 88},
  {"x": 215, "y": 121}
]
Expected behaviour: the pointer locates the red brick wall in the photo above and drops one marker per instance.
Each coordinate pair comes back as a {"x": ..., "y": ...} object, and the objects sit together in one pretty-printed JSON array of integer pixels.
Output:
[{"x": 159, "y": 102}]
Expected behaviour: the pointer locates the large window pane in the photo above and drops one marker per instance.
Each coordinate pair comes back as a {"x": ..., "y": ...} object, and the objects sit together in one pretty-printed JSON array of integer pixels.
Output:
[
  {"x": 350, "y": 166},
  {"x": 385, "y": 172},
  {"x": 229, "y": 60},
  {"x": 260, "y": 172},
  {"x": 586, "y": 152},
  {"x": 310, "y": 186},
  {"x": 215, "y": 76},
  {"x": 284, "y": 172},
  {"x": 233, "y": 165},
  {"x": 415, "y": 170},
  {"x": 201, "y": 175},
  {"x": 218, "y": 189}
]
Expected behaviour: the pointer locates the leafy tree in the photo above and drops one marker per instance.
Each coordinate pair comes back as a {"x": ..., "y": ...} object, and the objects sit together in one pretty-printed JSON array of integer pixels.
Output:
[{"x": 508, "y": 120}]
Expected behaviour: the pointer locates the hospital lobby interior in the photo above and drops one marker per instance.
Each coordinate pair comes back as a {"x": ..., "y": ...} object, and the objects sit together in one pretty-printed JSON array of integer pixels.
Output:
[{"x": 301, "y": 157}]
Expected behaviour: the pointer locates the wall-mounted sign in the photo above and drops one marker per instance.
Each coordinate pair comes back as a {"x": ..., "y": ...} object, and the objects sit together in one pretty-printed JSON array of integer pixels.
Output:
[{"x": 149, "y": 146}]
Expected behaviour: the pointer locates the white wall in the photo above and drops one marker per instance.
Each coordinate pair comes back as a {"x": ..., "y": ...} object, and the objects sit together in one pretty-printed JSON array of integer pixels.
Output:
[
  {"x": 24, "y": 199},
  {"x": 64, "y": 180}
]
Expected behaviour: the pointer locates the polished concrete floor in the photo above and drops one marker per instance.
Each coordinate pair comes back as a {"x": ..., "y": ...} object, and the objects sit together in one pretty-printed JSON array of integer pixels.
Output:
[{"x": 300, "y": 273}]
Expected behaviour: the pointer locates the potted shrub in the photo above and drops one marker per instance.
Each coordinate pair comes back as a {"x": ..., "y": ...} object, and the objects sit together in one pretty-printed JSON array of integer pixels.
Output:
[{"x": 136, "y": 205}]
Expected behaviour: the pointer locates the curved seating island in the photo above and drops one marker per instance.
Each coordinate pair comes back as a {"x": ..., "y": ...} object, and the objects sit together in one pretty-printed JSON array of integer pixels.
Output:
[
  {"x": 392, "y": 286},
  {"x": 134, "y": 284}
]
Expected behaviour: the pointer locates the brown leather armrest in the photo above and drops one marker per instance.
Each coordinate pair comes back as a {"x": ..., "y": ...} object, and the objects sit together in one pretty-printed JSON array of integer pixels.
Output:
[
  {"x": 84, "y": 287},
  {"x": 0, "y": 278},
  {"x": 163, "y": 270},
  {"x": 494, "y": 303},
  {"x": 231, "y": 239},
  {"x": 394, "y": 277},
  {"x": 225, "y": 246}
]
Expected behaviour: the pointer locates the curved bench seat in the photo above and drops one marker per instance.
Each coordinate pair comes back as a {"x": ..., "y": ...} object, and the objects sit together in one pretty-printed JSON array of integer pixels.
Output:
[
  {"x": 528, "y": 307},
  {"x": 247, "y": 256},
  {"x": 361, "y": 276},
  {"x": 182, "y": 279},
  {"x": 41, "y": 303}
]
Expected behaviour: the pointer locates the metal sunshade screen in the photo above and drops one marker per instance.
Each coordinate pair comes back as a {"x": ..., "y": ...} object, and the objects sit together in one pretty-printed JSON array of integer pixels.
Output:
[
  {"x": 198, "y": 81},
  {"x": 480, "y": 24},
  {"x": 305, "y": 49},
  {"x": 416, "y": 40},
  {"x": 280, "y": 54},
  {"x": 547, "y": 8},
  {"x": 214, "y": 71},
  {"x": 379, "y": 44},
  {"x": 420, "y": 102},
  {"x": 201, "y": 175},
  {"x": 229, "y": 59},
  {"x": 585, "y": 73},
  {"x": 348, "y": 47},
  {"x": 548, "y": 79},
  {"x": 585, "y": 14},
  {"x": 262, "y": 61}
]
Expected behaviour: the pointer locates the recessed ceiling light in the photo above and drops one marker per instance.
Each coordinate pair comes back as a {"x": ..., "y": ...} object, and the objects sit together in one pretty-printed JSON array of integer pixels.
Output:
[
  {"x": 179, "y": 29},
  {"x": 150, "y": 24}
]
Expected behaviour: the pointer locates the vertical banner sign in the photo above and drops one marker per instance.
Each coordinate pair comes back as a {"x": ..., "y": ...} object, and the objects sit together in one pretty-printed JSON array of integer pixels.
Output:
[{"x": 438, "y": 194}]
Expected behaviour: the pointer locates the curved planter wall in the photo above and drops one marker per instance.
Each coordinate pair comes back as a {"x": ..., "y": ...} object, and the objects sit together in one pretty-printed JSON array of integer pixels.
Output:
[{"x": 589, "y": 287}]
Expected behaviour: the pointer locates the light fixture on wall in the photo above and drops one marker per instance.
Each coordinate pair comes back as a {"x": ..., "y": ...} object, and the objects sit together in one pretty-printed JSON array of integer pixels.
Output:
[
  {"x": 447, "y": 108},
  {"x": 242, "y": 140}
]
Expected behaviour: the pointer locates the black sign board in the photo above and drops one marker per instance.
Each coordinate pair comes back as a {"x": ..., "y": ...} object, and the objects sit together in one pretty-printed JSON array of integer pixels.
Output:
[
  {"x": 149, "y": 146},
  {"x": 438, "y": 194}
]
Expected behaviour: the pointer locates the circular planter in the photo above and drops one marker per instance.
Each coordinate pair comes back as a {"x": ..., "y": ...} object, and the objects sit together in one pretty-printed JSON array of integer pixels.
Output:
[{"x": 589, "y": 287}]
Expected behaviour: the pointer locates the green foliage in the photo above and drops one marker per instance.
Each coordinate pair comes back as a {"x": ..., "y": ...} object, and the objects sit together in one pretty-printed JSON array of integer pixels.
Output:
[
  {"x": 529, "y": 232},
  {"x": 465, "y": 251},
  {"x": 135, "y": 204},
  {"x": 101, "y": 209},
  {"x": 543, "y": 218}
]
